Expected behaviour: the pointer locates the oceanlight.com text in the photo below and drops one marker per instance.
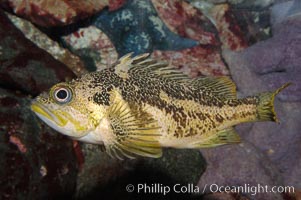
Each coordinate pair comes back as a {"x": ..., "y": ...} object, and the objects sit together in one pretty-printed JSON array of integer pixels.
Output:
[{"x": 250, "y": 189}]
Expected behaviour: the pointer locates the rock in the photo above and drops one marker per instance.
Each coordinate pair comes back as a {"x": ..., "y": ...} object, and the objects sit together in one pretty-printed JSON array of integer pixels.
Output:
[
  {"x": 226, "y": 23},
  {"x": 24, "y": 66},
  {"x": 187, "y": 21},
  {"x": 44, "y": 42},
  {"x": 240, "y": 165},
  {"x": 230, "y": 32},
  {"x": 98, "y": 50},
  {"x": 93, "y": 46},
  {"x": 37, "y": 162},
  {"x": 116, "y": 4},
  {"x": 238, "y": 27},
  {"x": 137, "y": 28},
  {"x": 99, "y": 170},
  {"x": 54, "y": 12},
  {"x": 103, "y": 176},
  {"x": 196, "y": 61},
  {"x": 242, "y": 4},
  {"x": 279, "y": 11},
  {"x": 271, "y": 63},
  {"x": 272, "y": 153},
  {"x": 282, "y": 11}
]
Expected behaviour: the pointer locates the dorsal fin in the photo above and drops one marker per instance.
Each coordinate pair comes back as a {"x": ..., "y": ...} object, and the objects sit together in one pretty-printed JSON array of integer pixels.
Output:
[
  {"x": 222, "y": 87},
  {"x": 132, "y": 133},
  {"x": 123, "y": 65},
  {"x": 160, "y": 68},
  {"x": 153, "y": 66}
]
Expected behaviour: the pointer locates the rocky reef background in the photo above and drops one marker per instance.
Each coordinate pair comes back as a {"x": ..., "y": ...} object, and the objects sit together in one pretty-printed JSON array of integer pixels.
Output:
[{"x": 256, "y": 43}]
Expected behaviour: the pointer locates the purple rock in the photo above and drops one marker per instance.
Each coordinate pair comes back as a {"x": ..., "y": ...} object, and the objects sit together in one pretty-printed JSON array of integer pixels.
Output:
[
  {"x": 276, "y": 157},
  {"x": 239, "y": 165},
  {"x": 270, "y": 64},
  {"x": 283, "y": 10}
]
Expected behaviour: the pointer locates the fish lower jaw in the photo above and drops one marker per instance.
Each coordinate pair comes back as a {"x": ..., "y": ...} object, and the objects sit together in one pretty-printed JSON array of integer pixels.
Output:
[
  {"x": 90, "y": 138},
  {"x": 46, "y": 115}
]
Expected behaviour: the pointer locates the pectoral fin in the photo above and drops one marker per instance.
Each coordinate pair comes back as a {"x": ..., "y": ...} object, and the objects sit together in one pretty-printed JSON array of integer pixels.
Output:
[
  {"x": 226, "y": 136},
  {"x": 131, "y": 135}
]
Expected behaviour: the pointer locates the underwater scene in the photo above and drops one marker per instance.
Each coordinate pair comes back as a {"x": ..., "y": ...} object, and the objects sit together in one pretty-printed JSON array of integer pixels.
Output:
[{"x": 150, "y": 99}]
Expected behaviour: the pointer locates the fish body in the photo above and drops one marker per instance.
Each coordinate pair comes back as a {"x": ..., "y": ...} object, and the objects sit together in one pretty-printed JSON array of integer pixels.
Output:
[{"x": 140, "y": 105}]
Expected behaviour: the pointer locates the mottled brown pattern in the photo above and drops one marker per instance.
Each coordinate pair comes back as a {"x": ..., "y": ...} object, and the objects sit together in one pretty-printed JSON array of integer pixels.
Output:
[
  {"x": 219, "y": 118},
  {"x": 142, "y": 85}
]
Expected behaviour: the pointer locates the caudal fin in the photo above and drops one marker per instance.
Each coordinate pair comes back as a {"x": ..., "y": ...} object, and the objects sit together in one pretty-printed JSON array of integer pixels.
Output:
[{"x": 265, "y": 107}]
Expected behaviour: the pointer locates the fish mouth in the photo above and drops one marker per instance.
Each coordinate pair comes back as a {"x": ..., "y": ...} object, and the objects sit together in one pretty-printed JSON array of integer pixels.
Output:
[
  {"x": 43, "y": 112},
  {"x": 59, "y": 121}
]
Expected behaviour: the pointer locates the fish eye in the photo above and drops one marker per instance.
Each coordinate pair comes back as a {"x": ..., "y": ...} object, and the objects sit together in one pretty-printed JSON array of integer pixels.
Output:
[{"x": 62, "y": 94}]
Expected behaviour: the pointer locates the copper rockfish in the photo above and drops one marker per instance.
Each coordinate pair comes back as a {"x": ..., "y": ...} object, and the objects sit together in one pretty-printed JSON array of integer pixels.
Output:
[{"x": 140, "y": 105}]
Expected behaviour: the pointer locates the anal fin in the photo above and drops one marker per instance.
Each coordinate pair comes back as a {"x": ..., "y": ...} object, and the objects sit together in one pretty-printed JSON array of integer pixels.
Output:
[{"x": 226, "y": 136}]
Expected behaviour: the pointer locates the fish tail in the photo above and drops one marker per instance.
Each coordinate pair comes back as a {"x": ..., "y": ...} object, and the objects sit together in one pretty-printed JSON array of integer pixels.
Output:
[{"x": 265, "y": 107}]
